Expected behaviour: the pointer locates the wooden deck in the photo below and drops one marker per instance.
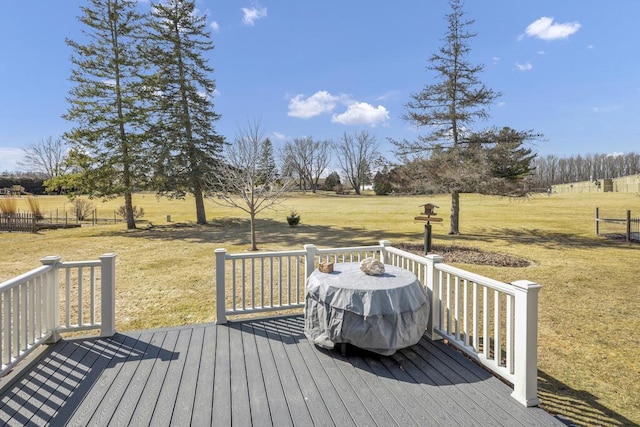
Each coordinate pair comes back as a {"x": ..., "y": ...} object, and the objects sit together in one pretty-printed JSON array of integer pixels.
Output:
[{"x": 255, "y": 373}]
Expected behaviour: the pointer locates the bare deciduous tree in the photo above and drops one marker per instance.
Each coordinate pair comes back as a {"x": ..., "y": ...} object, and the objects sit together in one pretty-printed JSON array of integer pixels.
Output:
[
  {"x": 306, "y": 160},
  {"x": 356, "y": 154},
  {"x": 47, "y": 157},
  {"x": 241, "y": 183}
]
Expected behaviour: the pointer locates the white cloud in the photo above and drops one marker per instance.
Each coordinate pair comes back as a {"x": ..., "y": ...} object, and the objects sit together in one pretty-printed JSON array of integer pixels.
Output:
[
  {"x": 9, "y": 158},
  {"x": 318, "y": 103},
  {"x": 524, "y": 67},
  {"x": 279, "y": 136},
  {"x": 251, "y": 15},
  {"x": 541, "y": 52},
  {"x": 361, "y": 113},
  {"x": 502, "y": 104},
  {"x": 214, "y": 26},
  {"x": 544, "y": 28}
]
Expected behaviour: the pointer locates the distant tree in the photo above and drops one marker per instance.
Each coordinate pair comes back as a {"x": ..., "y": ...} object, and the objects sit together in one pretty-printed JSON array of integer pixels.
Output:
[
  {"x": 186, "y": 145},
  {"x": 47, "y": 157},
  {"x": 446, "y": 107},
  {"x": 356, "y": 154},
  {"x": 331, "y": 181},
  {"x": 267, "y": 164},
  {"x": 105, "y": 103},
  {"x": 240, "y": 183},
  {"x": 306, "y": 159},
  {"x": 382, "y": 182}
]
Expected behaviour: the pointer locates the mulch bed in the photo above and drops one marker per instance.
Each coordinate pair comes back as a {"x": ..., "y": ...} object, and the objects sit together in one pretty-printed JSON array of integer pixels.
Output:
[{"x": 465, "y": 255}]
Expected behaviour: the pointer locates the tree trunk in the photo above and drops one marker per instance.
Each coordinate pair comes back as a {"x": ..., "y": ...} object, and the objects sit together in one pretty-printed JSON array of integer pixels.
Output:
[
  {"x": 201, "y": 215},
  {"x": 128, "y": 209},
  {"x": 455, "y": 212},
  {"x": 254, "y": 245}
]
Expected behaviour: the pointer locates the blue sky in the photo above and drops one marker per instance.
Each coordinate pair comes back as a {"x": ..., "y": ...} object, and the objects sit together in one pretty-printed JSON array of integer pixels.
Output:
[{"x": 569, "y": 69}]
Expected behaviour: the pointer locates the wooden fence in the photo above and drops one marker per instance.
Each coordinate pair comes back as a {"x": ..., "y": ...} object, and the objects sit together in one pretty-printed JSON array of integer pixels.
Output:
[{"x": 21, "y": 222}]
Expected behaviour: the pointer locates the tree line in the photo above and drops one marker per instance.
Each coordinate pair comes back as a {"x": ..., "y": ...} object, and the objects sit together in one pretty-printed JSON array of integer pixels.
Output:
[{"x": 550, "y": 170}]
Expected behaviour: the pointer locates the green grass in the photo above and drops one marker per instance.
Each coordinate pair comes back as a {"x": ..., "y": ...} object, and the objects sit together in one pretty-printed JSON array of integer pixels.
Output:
[{"x": 589, "y": 346}]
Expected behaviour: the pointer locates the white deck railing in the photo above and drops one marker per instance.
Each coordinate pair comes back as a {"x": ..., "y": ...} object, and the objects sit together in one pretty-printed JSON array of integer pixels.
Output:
[
  {"x": 56, "y": 297},
  {"x": 493, "y": 322}
]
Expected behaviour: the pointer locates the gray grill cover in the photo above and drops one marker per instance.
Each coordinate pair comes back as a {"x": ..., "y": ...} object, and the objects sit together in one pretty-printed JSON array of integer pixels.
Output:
[{"x": 377, "y": 313}]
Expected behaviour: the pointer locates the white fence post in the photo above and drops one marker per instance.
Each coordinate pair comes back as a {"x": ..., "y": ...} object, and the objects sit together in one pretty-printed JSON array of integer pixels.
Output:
[
  {"x": 433, "y": 290},
  {"x": 525, "y": 386},
  {"x": 221, "y": 316},
  {"x": 383, "y": 252},
  {"x": 310, "y": 258},
  {"x": 108, "y": 295},
  {"x": 52, "y": 298}
]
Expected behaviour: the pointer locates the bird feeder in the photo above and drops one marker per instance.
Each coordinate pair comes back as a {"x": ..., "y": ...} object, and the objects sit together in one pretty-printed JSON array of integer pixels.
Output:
[{"x": 428, "y": 216}]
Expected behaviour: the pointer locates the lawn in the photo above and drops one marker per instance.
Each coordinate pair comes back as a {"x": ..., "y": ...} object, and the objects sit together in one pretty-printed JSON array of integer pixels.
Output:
[{"x": 589, "y": 346}]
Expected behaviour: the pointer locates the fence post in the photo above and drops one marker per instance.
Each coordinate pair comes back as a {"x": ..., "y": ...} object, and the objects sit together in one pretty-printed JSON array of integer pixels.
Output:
[
  {"x": 628, "y": 225},
  {"x": 433, "y": 291},
  {"x": 525, "y": 386},
  {"x": 108, "y": 295},
  {"x": 52, "y": 298},
  {"x": 310, "y": 259},
  {"x": 221, "y": 309},
  {"x": 597, "y": 221},
  {"x": 383, "y": 251}
]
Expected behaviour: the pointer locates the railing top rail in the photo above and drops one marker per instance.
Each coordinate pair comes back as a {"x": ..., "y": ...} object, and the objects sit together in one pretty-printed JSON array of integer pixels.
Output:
[
  {"x": 265, "y": 254},
  {"x": 74, "y": 264},
  {"x": 15, "y": 281},
  {"x": 476, "y": 278},
  {"x": 408, "y": 255},
  {"x": 349, "y": 249}
]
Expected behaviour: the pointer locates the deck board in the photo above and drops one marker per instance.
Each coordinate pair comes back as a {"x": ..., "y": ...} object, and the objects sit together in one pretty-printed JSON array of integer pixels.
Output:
[{"x": 261, "y": 372}]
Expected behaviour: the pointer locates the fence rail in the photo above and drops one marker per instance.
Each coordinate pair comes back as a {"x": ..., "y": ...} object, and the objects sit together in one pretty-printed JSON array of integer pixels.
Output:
[
  {"x": 628, "y": 227},
  {"x": 57, "y": 297},
  {"x": 493, "y": 322}
]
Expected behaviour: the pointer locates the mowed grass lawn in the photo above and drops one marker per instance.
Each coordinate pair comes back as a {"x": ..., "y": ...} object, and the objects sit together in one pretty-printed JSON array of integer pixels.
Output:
[{"x": 589, "y": 313}]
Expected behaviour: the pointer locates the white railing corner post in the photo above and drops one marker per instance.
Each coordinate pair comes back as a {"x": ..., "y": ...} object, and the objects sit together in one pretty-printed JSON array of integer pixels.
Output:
[
  {"x": 52, "y": 297},
  {"x": 525, "y": 386},
  {"x": 433, "y": 291},
  {"x": 310, "y": 259},
  {"x": 108, "y": 295},
  {"x": 221, "y": 307},
  {"x": 383, "y": 252}
]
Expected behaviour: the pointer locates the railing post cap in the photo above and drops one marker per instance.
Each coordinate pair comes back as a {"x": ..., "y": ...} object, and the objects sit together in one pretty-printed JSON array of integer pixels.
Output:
[
  {"x": 385, "y": 242},
  {"x": 309, "y": 246},
  {"x": 435, "y": 258},
  {"x": 220, "y": 250},
  {"x": 526, "y": 285},
  {"x": 49, "y": 260},
  {"x": 109, "y": 255}
]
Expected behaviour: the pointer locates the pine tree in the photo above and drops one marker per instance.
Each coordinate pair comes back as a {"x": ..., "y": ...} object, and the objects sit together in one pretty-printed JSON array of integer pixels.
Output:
[
  {"x": 267, "y": 163},
  {"x": 106, "y": 102},
  {"x": 447, "y": 107},
  {"x": 187, "y": 147}
]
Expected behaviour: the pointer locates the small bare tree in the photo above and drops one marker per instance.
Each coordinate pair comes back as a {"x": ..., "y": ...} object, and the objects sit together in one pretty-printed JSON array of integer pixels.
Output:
[{"x": 241, "y": 183}]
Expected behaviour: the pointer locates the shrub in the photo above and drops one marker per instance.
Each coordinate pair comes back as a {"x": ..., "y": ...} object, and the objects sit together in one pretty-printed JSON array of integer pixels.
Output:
[
  {"x": 82, "y": 208},
  {"x": 34, "y": 207},
  {"x": 293, "y": 219},
  {"x": 382, "y": 183},
  {"x": 8, "y": 205},
  {"x": 138, "y": 212}
]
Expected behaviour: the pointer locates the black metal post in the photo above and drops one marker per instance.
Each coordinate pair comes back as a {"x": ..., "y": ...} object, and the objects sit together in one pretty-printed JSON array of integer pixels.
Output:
[{"x": 427, "y": 238}]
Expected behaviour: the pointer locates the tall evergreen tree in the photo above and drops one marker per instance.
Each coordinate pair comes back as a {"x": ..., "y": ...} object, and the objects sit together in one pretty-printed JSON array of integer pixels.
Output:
[
  {"x": 105, "y": 103},
  {"x": 447, "y": 107},
  {"x": 187, "y": 147},
  {"x": 267, "y": 163}
]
